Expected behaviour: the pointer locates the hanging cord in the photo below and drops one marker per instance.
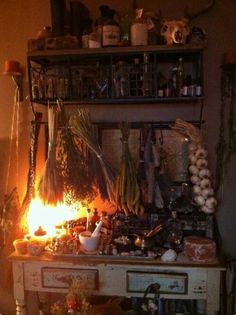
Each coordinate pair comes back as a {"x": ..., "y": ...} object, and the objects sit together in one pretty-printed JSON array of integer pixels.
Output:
[
  {"x": 17, "y": 102},
  {"x": 14, "y": 120}
]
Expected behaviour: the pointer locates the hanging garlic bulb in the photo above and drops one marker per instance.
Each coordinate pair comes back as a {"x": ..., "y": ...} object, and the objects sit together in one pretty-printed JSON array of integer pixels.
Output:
[
  {"x": 201, "y": 153},
  {"x": 193, "y": 170},
  {"x": 197, "y": 190},
  {"x": 201, "y": 163},
  {"x": 205, "y": 183},
  {"x": 200, "y": 175},
  {"x": 207, "y": 210},
  {"x": 204, "y": 173},
  {"x": 200, "y": 201},
  {"x": 211, "y": 202},
  {"x": 203, "y": 193}
]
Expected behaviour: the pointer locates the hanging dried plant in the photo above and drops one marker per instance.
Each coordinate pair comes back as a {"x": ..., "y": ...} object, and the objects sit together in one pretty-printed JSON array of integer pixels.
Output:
[
  {"x": 83, "y": 128},
  {"x": 128, "y": 196},
  {"x": 50, "y": 187},
  {"x": 73, "y": 161}
]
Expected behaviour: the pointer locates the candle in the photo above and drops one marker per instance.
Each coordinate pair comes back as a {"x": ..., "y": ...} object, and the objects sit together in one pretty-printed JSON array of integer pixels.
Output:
[{"x": 12, "y": 67}]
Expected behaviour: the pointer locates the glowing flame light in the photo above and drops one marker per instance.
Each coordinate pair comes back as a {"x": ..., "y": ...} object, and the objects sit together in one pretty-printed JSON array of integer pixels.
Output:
[{"x": 48, "y": 216}]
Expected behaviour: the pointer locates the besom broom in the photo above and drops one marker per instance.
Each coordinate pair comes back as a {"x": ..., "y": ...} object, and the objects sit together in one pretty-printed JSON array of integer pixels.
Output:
[{"x": 50, "y": 188}]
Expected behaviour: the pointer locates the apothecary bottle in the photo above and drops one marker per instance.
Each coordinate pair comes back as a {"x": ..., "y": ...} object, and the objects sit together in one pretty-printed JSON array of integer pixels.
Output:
[
  {"x": 147, "y": 76},
  {"x": 110, "y": 31},
  {"x": 139, "y": 31}
]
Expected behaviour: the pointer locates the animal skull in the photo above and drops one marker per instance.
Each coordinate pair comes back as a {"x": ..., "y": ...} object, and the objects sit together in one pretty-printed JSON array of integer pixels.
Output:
[{"x": 175, "y": 31}]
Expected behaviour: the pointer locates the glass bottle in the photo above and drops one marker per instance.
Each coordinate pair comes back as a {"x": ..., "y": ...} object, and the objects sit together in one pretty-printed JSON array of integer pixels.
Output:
[
  {"x": 147, "y": 76},
  {"x": 180, "y": 77},
  {"x": 88, "y": 222},
  {"x": 174, "y": 79},
  {"x": 175, "y": 232},
  {"x": 139, "y": 31},
  {"x": 121, "y": 79},
  {"x": 198, "y": 87},
  {"x": 124, "y": 79},
  {"x": 136, "y": 78},
  {"x": 187, "y": 84},
  {"x": 110, "y": 30}
]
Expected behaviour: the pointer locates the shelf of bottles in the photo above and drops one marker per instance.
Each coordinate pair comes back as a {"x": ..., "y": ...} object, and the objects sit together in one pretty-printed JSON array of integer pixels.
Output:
[{"x": 150, "y": 74}]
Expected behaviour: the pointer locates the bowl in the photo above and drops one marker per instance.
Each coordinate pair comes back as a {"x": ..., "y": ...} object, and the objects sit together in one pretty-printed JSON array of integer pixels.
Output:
[
  {"x": 35, "y": 247},
  {"x": 90, "y": 243}
]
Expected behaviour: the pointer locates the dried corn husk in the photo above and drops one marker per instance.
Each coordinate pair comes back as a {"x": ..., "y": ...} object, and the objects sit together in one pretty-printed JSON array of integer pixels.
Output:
[
  {"x": 50, "y": 188},
  {"x": 83, "y": 128}
]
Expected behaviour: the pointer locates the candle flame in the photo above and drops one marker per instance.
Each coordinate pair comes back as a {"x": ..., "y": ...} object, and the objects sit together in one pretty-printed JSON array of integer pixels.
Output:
[{"x": 48, "y": 217}]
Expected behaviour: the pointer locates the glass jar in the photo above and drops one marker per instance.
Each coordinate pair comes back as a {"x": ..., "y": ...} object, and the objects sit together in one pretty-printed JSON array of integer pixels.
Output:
[{"x": 139, "y": 30}]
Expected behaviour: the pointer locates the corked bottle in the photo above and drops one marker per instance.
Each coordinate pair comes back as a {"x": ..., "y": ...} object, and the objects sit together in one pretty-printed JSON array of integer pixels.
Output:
[{"x": 110, "y": 30}]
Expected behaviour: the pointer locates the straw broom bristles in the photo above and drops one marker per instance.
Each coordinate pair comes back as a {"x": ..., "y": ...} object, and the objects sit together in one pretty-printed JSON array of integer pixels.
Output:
[{"x": 50, "y": 188}]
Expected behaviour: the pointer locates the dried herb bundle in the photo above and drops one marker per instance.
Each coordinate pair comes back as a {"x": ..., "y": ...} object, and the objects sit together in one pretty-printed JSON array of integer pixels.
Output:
[
  {"x": 128, "y": 196},
  {"x": 50, "y": 187},
  {"x": 83, "y": 128},
  {"x": 73, "y": 161}
]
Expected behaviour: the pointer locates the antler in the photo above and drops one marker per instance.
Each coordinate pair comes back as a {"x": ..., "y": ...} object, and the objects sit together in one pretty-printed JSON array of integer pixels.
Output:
[{"x": 191, "y": 15}]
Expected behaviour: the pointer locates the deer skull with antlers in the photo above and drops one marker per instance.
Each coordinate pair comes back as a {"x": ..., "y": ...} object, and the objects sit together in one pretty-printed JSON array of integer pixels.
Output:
[{"x": 177, "y": 31}]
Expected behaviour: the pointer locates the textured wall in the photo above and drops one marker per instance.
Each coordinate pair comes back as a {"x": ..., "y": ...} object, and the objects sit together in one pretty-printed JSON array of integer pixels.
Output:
[{"x": 21, "y": 20}]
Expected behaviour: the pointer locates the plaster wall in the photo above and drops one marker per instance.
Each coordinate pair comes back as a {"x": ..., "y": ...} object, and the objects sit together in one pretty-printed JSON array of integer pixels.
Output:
[{"x": 22, "y": 19}]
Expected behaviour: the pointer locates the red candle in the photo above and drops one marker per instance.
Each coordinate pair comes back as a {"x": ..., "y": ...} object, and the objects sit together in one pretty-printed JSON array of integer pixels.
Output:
[{"x": 12, "y": 67}]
